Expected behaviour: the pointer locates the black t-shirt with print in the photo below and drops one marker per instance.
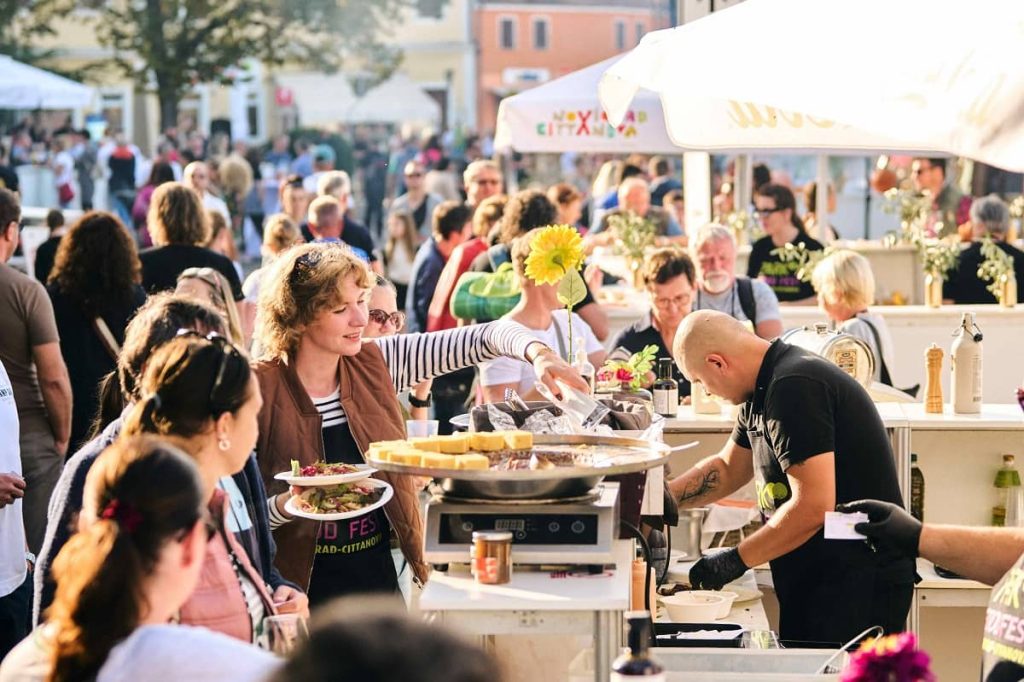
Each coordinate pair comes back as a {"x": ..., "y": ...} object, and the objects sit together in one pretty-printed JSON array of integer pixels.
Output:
[
  {"x": 353, "y": 556},
  {"x": 1002, "y": 645},
  {"x": 779, "y": 275},
  {"x": 804, "y": 406}
]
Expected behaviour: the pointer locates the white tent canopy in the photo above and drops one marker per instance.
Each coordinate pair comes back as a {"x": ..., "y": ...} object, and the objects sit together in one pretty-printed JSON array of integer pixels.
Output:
[
  {"x": 321, "y": 99},
  {"x": 397, "y": 100},
  {"x": 565, "y": 115},
  {"x": 963, "y": 96},
  {"x": 27, "y": 87}
]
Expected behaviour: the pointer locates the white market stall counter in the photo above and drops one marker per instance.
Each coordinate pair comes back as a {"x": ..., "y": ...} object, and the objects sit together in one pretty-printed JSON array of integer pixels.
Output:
[{"x": 538, "y": 603}]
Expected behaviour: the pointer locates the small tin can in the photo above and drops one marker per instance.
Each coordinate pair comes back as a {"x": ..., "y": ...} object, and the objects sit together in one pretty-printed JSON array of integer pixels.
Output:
[{"x": 492, "y": 557}]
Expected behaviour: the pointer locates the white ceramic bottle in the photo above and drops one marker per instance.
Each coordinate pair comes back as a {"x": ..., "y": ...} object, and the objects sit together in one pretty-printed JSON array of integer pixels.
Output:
[{"x": 965, "y": 362}]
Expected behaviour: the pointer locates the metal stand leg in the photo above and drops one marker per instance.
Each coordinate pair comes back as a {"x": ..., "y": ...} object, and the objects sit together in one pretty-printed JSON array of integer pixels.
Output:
[{"x": 603, "y": 645}]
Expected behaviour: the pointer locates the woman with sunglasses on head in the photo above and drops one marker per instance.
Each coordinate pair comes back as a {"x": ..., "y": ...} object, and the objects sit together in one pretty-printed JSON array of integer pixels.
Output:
[
  {"x": 139, "y": 553},
  {"x": 209, "y": 286},
  {"x": 328, "y": 395},
  {"x": 200, "y": 394}
]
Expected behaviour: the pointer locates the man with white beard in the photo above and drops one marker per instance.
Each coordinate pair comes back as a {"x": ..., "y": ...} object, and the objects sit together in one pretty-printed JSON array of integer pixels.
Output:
[{"x": 718, "y": 287}]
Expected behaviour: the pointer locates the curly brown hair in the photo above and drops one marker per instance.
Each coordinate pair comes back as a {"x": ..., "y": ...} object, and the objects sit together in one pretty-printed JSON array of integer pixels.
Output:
[
  {"x": 96, "y": 264},
  {"x": 176, "y": 216},
  {"x": 524, "y": 211},
  {"x": 304, "y": 281}
]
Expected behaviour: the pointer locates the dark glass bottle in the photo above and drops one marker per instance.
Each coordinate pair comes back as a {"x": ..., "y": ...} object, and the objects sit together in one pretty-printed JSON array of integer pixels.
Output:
[
  {"x": 666, "y": 390},
  {"x": 637, "y": 662},
  {"x": 916, "y": 489}
]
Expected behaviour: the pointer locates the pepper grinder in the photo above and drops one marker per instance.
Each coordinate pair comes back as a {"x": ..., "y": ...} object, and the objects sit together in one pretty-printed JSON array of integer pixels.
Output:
[{"x": 933, "y": 382}]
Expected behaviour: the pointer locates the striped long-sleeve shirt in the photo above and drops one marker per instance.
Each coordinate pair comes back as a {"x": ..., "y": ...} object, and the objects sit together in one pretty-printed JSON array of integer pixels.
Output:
[{"x": 412, "y": 358}]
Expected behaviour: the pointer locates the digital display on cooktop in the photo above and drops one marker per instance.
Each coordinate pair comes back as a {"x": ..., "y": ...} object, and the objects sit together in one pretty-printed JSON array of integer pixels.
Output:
[{"x": 527, "y": 529}]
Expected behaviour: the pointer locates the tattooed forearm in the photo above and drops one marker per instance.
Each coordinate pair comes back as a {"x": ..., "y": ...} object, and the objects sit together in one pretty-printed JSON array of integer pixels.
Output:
[{"x": 699, "y": 485}]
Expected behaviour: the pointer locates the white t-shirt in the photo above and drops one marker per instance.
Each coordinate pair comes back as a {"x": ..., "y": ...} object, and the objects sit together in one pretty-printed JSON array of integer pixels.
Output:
[
  {"x": 155, "y": 653},
  {"x": 64, "y": 166},
  {"x": 513, "y": 371},
  {"x": 12, "y": 527},
  {"x": 251, "y": 285},
  {"x": 212, "y": 203}
]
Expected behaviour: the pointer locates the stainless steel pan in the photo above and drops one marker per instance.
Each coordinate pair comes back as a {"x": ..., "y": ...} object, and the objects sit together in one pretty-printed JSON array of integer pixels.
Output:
[{"x": 603, "y": 455}]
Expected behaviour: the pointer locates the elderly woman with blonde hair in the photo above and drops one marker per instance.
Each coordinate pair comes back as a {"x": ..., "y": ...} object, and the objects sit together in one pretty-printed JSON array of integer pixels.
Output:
[{"x": 846, "y": 288}]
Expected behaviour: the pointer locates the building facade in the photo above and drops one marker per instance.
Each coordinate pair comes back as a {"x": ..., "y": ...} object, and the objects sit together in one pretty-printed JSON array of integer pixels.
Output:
[{"x": 526, "y": 43}]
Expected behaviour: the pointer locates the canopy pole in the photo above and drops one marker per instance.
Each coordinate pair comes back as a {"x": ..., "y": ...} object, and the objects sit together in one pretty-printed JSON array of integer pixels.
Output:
[
  {"x": 697, "y": 188},
  {"x": 821, "y": 201},
  {"x": 743, "y": 183}
]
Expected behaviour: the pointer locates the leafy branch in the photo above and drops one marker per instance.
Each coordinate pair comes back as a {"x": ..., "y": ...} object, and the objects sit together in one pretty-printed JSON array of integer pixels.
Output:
[{"x": 997, "y": 267}]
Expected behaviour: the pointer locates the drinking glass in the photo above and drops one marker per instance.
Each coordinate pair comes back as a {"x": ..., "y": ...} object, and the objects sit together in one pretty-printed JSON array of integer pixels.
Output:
[
  {"x": 283, "y": 632},
  {"x": 419, "y": 428}
]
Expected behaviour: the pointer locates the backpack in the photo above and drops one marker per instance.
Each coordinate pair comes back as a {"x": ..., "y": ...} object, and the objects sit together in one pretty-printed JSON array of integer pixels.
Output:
[{"x": 745, "y": 292}]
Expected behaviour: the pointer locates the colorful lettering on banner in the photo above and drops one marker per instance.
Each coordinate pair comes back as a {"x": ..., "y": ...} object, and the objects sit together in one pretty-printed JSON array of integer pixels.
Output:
[{"x": 590, "y": 123}]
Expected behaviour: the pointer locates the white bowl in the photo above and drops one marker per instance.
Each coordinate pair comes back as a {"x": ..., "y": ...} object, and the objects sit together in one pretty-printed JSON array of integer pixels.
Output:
[
  {"x": 687, "y": 607},
  {"x": 726, "y": 606}
]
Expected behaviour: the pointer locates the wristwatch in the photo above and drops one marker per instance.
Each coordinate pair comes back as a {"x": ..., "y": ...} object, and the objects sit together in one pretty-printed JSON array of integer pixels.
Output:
[
  {"x": 30, "y": 558},
  {"x": 416, "y": 402}
]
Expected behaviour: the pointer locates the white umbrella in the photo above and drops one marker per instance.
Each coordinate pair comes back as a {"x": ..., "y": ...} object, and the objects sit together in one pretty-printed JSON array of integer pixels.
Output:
[
  {"x": 909, "y": 75},
  {"x": 397, "y": 100},
  {"x": 27, "y": 87},
  {"x": 564, "y": 115},
  {"x": 321, "y": 99}
]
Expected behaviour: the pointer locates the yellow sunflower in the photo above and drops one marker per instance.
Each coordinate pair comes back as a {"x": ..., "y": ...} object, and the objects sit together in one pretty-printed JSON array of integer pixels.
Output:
[{"x": 554, "y": 251}]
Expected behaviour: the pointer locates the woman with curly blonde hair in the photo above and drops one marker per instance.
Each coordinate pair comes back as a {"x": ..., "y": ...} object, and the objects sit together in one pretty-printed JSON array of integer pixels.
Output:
[
  {"x": 92, "y": 305},
  {"x": 328, "y": 395},
  {"x": 180, "y": 228}
]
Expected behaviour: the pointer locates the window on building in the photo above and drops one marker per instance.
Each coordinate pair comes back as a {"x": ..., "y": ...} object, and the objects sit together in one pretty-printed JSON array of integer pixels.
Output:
[
  {"x": 540, "y": 34},
  {"x": 639, "y": 32},
  {"x": 507, "y": 33},
  {"x": 430, "y": 9},
  {"x": 620, "y": 35}
]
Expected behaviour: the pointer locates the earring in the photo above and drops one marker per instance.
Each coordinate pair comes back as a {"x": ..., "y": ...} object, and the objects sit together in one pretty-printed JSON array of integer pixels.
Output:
[{"x": 223, "y": 444}]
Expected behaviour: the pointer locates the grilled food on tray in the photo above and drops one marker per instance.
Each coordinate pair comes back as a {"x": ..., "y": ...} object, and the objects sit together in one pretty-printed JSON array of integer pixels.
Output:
[{"x": 344, "y": 497}]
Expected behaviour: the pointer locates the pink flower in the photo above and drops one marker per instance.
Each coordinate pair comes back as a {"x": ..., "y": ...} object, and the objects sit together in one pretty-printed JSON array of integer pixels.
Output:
[
  {"x": 895, "y": 658},
  {"x": 623, "y": 374},
  {"x": 608, "y": 375}
]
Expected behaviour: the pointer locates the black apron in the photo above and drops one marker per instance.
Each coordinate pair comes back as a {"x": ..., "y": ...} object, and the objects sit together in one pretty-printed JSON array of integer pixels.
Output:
[{"x": 829, "y": 591}]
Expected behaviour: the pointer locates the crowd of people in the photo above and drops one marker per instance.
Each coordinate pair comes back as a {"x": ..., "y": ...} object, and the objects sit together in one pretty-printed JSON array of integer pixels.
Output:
[{"x": 153, "y": 383}]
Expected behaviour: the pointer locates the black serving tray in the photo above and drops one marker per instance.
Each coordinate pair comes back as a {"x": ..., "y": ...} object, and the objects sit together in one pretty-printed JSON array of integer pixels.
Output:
[{"x": 676, "y": 628}]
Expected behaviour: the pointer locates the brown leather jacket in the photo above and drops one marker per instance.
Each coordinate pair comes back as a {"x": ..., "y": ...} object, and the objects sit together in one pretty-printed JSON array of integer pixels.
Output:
[{"x": 290, "y": 428}]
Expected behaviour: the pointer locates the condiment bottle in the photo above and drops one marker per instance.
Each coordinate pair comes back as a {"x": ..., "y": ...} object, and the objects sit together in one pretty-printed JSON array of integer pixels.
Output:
[
  {"x": 492, "y": 557},
  {"x": 1008, "y": 491},
  {"x": 666, "y": 390},
  {"x": 933, "y": 380},
  {"x": 637, "y": 662},
  {"x": 584, "y": 367},
  {"x": 965, "y": 363}
]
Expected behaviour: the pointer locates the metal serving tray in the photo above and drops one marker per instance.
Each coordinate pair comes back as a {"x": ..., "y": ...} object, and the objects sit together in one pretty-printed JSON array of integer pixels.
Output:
[{"x": 609, "y": 455}]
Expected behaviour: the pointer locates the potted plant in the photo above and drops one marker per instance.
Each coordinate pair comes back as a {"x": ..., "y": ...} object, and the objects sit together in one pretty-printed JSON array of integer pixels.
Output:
[
  {"x": 997, "y": 268},
  {"x": 628, "y": 376},
  {"x": 938, "y": 257},
  {"x": 633, "y": 236}
]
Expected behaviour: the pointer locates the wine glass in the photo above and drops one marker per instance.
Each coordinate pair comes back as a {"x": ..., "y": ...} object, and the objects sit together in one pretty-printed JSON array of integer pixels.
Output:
[{"x": 282, "y": 633}]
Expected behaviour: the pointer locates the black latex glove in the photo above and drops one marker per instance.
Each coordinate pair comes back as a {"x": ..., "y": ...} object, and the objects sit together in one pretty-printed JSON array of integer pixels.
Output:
[
  {"x": 889, "y": 525},
  {"x": 714, "y": 571}
]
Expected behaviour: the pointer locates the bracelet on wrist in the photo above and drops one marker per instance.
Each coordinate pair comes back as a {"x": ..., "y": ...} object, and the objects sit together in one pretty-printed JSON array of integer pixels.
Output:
[{"x": 416, "y": 402}]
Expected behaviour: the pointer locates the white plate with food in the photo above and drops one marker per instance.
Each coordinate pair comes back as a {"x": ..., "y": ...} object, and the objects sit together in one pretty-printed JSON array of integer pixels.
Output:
[
  {"x": 324, "y": 473},
  {"x": 342, "y": 501}
]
